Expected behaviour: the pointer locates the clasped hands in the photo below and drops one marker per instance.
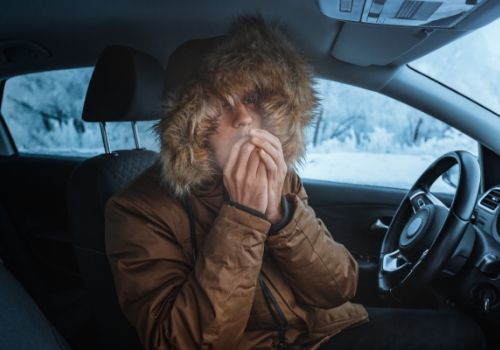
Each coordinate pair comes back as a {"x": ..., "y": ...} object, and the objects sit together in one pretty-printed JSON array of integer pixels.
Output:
[{"x": 255, "y": 172}]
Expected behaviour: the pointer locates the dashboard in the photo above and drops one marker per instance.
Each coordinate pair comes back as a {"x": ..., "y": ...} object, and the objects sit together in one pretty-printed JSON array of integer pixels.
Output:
[
  {"x": 478, "y": 284},
  {"x": 486, "y": 215}
]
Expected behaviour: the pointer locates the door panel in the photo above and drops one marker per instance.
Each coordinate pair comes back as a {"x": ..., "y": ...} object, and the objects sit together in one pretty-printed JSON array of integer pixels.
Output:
[{"x": 349, "y": 212}]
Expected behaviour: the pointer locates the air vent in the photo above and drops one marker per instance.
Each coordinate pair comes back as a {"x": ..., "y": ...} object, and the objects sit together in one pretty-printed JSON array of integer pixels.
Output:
[{"x": 491, "y": 200}]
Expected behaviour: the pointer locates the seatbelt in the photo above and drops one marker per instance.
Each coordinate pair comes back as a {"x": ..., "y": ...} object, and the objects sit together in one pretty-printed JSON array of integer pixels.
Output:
[{"x": 279, "y": 319}]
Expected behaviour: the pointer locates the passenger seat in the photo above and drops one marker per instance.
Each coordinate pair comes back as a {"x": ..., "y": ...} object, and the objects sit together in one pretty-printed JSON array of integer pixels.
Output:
[
  {"x": 22, "y": 324},
  {"x": 126, "y": 86}
]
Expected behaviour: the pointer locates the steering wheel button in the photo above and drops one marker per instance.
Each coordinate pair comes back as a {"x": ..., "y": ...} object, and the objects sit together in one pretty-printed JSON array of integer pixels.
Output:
[{"x": 420, "y": 202}]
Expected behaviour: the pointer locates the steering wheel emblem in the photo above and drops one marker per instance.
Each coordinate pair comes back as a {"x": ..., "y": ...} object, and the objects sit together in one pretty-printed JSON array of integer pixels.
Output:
[{"x": 414, "y": 226}]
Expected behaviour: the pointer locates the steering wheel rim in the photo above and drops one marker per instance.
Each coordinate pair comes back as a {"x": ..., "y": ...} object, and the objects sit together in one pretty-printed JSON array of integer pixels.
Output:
[{"x": 403, "y": 275}]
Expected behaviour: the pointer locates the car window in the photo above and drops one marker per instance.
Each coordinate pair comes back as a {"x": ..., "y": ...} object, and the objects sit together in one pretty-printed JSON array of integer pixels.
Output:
[
  {"x": 362, "y": 137},
  {"x": 43, "y": 113}
]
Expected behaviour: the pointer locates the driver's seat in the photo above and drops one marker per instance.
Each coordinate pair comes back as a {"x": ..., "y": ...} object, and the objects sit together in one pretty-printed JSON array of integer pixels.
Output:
[{"x": 126, "y": 86}]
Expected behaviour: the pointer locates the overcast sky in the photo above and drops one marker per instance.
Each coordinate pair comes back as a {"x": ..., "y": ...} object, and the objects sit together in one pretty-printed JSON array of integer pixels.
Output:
[{"x": 470, "y": 65}]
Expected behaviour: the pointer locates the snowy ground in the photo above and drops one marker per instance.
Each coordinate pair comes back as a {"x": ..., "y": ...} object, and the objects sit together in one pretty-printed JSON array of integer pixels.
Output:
[{"x": 389, "y": 170}]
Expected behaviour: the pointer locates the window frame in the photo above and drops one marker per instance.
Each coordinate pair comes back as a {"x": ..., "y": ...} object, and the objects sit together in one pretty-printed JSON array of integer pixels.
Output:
[{"x": 7, "y": 145}]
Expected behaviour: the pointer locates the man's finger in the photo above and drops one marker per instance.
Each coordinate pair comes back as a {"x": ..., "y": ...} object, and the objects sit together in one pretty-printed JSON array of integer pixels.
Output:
[
  {"x": 270, "y": 164},
  {"x": 262, "y": 173},
  {"x": 261, "y": 135},
  {"x": 235, "y": 151},
  {"x": 253, "y": 163},
  {"x": 274, "y": 153},
  {"x": 242, "y": 162},
  {"x": 269, "y": 143}
]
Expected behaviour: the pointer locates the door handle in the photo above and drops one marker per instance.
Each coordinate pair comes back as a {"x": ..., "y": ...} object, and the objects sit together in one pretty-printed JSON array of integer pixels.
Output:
[{"x": 378, "y": 226}]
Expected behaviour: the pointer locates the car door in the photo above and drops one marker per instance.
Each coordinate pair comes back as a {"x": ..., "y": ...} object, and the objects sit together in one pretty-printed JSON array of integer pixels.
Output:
[{"x": 365, "y": 151}]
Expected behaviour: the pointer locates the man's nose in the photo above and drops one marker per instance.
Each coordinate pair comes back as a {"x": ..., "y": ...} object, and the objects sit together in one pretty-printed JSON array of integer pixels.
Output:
[{"x": 241, "y": 116}]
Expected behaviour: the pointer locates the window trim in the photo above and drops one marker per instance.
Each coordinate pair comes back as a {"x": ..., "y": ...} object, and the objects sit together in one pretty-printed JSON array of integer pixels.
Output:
[{"x": 7, "y": 145}]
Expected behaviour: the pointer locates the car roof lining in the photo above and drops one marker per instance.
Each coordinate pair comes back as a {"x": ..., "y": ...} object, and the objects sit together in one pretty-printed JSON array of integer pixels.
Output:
[
  {"x": 75, "y": 36},
  {"x": 76, "y": 32}
]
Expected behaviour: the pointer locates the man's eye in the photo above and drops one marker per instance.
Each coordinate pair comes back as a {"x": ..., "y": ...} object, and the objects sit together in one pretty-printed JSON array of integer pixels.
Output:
[{"x": 248, "y": 101}]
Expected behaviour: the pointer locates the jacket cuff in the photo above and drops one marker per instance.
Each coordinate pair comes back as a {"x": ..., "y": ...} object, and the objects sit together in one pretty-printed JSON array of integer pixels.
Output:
[
  {"x": 247, "y": 209},
  {"x": 241, "y": 217},
  {"x": 288, "y": 210}
]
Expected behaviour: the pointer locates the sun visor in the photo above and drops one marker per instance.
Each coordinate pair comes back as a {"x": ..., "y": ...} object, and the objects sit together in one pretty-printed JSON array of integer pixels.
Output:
[
  {"x": 403, "y": 13},
  {"x": 364, "y": 45}
]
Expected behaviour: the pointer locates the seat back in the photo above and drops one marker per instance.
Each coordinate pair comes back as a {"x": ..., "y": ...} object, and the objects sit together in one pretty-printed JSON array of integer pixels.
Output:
[
  {"x": 22, "y": 324},
  {"x": 126, "y": 86}
]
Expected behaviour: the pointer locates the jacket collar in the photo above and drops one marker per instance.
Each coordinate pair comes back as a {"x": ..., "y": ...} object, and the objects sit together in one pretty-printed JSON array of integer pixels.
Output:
[{"x": 213, "y": 188}]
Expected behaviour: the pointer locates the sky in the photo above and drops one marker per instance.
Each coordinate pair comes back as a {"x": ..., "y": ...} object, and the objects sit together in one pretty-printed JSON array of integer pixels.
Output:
[{"x": 470, "y": 65}]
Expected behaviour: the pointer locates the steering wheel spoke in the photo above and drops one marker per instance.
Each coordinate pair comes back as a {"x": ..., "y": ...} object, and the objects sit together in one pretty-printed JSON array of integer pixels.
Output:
[
  {"x": 434, "y": 200},
  {"x": 420, "y": 198},
  {"x": 393, "y": 262}
]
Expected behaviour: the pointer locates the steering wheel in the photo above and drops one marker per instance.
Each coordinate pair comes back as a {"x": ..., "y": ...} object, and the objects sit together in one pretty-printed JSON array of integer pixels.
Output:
[{"x": 424, "y": 233}]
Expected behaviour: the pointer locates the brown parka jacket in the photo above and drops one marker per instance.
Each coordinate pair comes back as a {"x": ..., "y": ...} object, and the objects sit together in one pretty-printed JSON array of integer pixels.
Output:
[{"x": 217, "y": 303}]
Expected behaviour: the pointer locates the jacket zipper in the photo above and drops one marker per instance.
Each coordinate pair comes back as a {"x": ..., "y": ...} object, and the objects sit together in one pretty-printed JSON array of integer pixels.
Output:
[{"x": 279, "y": 319}]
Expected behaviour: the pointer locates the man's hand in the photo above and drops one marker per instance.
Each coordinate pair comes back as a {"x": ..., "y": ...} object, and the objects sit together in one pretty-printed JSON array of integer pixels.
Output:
[
  {"x": 245, "y": 176},
  {"x": 270, "y": 152}
]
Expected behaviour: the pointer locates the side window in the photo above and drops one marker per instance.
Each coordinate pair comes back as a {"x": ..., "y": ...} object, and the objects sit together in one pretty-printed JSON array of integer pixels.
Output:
[
  {"x": 362, "y": 137},
  {"x": 43, "y": 113}
]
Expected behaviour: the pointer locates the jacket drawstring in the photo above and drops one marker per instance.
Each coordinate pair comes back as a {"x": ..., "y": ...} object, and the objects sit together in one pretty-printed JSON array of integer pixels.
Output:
[
  {"x": 194, "y": 243},
  {"x": 282, "y": 323},
  {"x": 269, "y": 298}
]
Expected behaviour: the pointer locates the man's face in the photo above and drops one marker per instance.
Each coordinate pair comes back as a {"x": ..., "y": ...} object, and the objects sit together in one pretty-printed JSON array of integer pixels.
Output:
[{"x": 235, "y": 122}]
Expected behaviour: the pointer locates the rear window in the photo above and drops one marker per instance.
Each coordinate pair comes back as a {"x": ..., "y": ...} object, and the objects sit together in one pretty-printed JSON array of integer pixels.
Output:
[{"x": 43, "y": 113}]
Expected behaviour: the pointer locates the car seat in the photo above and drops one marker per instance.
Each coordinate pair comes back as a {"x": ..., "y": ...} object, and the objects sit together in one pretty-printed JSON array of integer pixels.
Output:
[
  {"x": 126, "y": 86},
  {"x": 22, "y": 324}
]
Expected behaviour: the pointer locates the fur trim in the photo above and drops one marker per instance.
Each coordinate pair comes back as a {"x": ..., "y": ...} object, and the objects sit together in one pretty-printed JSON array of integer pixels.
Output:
[{"x": 255, "y": 57}]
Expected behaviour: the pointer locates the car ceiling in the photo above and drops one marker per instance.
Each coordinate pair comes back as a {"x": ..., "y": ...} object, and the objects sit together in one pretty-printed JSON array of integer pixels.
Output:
[{"x": 74, "y": 33}]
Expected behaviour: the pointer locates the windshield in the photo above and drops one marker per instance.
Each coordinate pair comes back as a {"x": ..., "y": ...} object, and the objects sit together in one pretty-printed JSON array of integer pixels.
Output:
[{"x": 469, "y": 65}]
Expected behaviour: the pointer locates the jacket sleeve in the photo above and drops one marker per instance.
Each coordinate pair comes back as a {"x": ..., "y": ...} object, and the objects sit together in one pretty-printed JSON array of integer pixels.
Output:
[
  {"x": 171, "y": 305},
  {"x": 321, "y": 272}
]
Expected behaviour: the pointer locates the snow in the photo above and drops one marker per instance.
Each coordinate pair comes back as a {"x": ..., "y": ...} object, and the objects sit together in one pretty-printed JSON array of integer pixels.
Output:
[{"x": 388, "y": 170}]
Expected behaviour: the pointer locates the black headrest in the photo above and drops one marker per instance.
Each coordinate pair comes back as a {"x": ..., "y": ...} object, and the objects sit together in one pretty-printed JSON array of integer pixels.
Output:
[
  {"x": 126, "y": 86},
  {"x": 186, "y": 62}
]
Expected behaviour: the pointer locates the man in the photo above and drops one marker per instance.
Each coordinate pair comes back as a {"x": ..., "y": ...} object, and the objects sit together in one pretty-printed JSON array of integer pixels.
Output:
[{"x": 216, "y": 247}]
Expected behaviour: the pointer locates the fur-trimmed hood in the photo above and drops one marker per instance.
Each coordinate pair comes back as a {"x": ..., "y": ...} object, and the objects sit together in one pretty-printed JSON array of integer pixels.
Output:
[{"x": 254, "y": 58}]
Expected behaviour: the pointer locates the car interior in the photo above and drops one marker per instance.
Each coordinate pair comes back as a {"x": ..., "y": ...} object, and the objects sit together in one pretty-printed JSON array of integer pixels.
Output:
[{"x": 56, "y": 286}]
